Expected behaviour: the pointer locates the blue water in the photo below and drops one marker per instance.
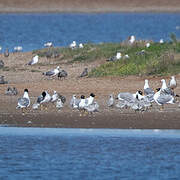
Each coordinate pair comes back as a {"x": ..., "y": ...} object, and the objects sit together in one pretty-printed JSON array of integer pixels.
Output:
[
  {"x": 35, "y": 154},
  {"x": 31, "y": 31}
]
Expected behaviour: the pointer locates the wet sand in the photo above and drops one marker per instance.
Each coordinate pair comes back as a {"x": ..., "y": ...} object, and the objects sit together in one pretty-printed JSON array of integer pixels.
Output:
[{"x": 21, "y": 76}]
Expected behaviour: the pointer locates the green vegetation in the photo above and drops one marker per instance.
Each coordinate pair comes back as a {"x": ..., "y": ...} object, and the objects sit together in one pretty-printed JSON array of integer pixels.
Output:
[{"x": 158, "y": 59}]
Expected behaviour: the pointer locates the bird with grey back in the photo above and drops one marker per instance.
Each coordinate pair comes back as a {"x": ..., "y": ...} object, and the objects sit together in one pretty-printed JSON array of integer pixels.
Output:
[
  {"x": 62, "y": 74},
  {"x": 84, "y": 73}
]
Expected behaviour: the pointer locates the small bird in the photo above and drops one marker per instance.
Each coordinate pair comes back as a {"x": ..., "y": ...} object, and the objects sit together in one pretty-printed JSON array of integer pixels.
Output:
[
  {"x": 59, "y": 104},
  {"x": 172, "y": 83},
  {"x": 62, "y": 74},
  {"x": 6, "y": 52},
  {"x": 110, "y": 101},
  {"x": 84, "y": 73},
  {"x": 2, "y": 81},
  {"x": 24, "y": 101},
  {"x": 11, "y": 91},
  {"x": 34, "y": 60}
]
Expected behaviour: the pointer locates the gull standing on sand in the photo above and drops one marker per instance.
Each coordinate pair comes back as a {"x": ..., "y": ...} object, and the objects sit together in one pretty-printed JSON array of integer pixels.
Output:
[
  {"x": 172, "y": 83},
  {"x": 110, "y": 101},
  {"x": 165, "y": 89},
  {"x": 149, "y": 93},
  {"x": 162, "y": 98},
  {"x": 24, "y": 101},
  {"x": 34, "y": 60},
  {"x": 53, "y": 72}
]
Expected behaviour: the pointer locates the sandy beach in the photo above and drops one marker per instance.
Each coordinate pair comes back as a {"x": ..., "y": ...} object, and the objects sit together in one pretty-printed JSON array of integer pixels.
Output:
[
  {"x": 21, "y": 76},
  {"x": 21, "y": 6}
]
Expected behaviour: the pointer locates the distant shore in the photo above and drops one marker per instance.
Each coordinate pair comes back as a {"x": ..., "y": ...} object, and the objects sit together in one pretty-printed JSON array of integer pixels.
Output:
[{"x": 98, "y": 6}]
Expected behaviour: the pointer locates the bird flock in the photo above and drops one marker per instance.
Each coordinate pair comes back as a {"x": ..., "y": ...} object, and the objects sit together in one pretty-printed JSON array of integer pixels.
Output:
[{"x": 139, "y": 101}]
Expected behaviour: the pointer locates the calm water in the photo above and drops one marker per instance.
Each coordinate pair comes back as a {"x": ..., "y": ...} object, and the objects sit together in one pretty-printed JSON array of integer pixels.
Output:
[
  {"x": 31, "y": 31},
  {"x": 34, "y": 153}
]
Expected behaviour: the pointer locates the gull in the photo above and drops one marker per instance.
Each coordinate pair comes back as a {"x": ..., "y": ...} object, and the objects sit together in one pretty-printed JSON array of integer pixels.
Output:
[
  {"x": 74, "y": 103},
  {"x": 0, "y": 48},
  {"x": 53, "y": 72},
  {"x": 149, "y": 93},
  {"x": 148, "y": 45},
  {"x": 165, "y": 89},
  {"x": 162, "y": 98},
  {"x": 73, "y": 45},
  {"x": 114, "y": 58},
  {"x": 59, "y": 104},
  {"x": 172, "y": 83},
  {"x": 81, "y": 45},
  {"x": 161, "y": 41},
  {"x": 84, "y": 73},
  {"x": 24, "y": 101},
  {"x": 110, "y": 101},
  {"x": 132, "y": 39},
  {"x": 18, "y": 48},
  {"x": 34, "y": 60},
  {"x": 48, "y": 44}
]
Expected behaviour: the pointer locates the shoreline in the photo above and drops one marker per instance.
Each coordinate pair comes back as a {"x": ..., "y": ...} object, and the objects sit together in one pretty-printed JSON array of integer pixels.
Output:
[{"x": 114, "y": 120}]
